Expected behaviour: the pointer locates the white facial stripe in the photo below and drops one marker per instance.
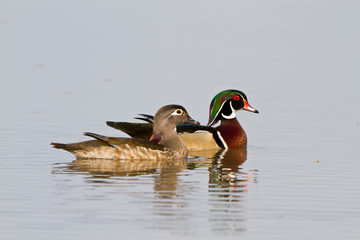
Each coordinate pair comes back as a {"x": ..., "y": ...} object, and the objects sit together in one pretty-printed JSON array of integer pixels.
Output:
[
  {"x": 232, "y": 115},
  {"x": 217, "y": 113}
]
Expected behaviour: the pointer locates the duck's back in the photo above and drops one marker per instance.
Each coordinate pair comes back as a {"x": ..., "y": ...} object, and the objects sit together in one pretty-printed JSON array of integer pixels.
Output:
[{"x": 119, "y": 148}]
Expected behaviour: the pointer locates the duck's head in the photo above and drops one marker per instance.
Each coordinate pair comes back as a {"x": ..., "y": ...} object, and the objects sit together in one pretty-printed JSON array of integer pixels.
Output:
[
  {"x": 225, "y": 104},
  {"x": 167, "y": 117}
]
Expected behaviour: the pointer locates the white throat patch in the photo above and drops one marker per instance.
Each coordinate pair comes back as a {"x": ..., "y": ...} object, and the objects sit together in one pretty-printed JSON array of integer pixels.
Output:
[{"x": 232, "y": 115}]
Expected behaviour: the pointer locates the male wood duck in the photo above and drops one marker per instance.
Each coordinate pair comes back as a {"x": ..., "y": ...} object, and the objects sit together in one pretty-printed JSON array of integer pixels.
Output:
[
  {"x": 223, "y": 108},
  {"x": 164, "y": 143}
]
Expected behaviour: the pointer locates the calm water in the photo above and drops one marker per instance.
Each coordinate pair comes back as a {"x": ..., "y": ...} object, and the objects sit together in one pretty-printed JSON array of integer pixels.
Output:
[{"x": 66, "y": 69}]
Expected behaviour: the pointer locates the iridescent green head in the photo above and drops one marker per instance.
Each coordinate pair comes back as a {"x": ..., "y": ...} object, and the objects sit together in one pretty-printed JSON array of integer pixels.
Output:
[{"x": 225, "y": 104}]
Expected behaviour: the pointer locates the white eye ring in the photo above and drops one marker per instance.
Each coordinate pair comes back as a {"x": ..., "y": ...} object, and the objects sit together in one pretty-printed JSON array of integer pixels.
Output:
[{"x": 178, "y": 112}]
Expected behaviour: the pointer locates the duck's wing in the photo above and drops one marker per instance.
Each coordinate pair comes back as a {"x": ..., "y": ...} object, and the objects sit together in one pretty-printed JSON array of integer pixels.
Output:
[
  {"x": 134, "y": 130},
  {"x": 192, "y": 128},
  {"x": 129, "y": 142},
  {"x": 198, "y": 137},
  {"x": 113, "y": 148},
  {"x": 71, "y": 147},
  {"x": 131, "y": 148}
]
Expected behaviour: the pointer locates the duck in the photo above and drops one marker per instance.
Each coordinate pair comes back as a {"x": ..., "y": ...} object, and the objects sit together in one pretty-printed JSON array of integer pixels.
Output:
[
  {"x": 223, "y": 107},
  {"x": 164, "y": 143}
]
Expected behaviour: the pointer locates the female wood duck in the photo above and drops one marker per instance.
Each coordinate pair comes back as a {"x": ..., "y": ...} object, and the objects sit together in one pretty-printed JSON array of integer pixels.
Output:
[
  {"x": 223, "y": 108},
  {"x": 164, "y": 143}
]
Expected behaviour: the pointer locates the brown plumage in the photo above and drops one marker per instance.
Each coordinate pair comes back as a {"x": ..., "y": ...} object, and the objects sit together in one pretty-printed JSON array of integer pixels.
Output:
[{"x": 170, "y": 145}]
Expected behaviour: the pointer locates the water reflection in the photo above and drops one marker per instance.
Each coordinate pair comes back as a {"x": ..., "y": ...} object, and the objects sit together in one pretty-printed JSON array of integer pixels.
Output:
[
  {"x": 227, "y": 191},
  {"x": 178, "y": 200},
  {"x": 225, "y": 169},
  {"x": 108, "y": 168}
]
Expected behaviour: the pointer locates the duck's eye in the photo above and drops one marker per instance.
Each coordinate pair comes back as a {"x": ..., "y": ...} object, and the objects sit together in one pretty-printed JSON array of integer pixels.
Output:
[
  {"x": 179, "y": 111},
  {"x": 236, "y": 98}
]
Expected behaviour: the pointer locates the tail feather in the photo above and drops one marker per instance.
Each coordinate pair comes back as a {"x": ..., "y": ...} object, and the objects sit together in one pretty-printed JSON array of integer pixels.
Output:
[
  {"x": 99, "y": 137},
  {"x": 80, "y": 149},
  {"x": 70, "y": 147},
  {"x": 96, "y": 136},
  {"x": 146, "y": 117},
  {"x": 59, "y": 145}
]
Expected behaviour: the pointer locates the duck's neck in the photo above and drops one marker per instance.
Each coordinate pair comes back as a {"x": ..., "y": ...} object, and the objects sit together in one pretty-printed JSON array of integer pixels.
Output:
[
  {"x": 170, "y": 140},
  {"x": 232, "y": 133}
]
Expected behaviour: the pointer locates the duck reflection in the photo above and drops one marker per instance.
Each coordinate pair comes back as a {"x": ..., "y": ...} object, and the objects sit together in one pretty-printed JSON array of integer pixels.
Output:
[
  {"x": 178, "y": 186},
  {"x": 107, "y": 168},
  {"x": 228, "y": 191},
  {"x": 226, "y": 168}
]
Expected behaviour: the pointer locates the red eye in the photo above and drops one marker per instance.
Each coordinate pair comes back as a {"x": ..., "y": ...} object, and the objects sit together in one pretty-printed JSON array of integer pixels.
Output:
[{"x": 236, "y": 98}]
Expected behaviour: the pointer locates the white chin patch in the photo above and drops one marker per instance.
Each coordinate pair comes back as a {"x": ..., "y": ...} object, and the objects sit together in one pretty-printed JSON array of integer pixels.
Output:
[{"x": 232, "y": 115}]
